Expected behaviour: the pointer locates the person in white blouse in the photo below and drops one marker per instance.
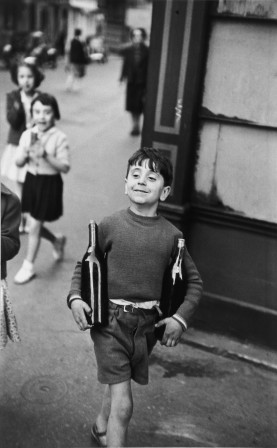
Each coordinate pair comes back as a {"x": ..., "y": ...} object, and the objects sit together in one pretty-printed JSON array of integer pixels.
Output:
[{"x": 44, "y": 150}]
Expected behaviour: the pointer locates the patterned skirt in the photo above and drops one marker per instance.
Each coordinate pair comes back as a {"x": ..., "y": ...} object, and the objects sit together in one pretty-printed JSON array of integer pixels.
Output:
[{"x": 8, "y": 325}]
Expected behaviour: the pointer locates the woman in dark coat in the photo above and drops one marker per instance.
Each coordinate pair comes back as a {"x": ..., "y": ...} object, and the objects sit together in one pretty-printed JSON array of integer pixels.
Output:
[{"x": 134, "y": 71}]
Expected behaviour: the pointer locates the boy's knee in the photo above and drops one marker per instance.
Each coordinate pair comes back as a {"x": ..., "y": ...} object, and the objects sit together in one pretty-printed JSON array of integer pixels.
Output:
[{"x": 123, "y": 409}]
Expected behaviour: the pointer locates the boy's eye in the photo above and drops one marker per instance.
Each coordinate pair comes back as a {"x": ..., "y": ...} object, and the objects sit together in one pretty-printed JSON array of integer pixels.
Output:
[{"x": 152, "y": 178}]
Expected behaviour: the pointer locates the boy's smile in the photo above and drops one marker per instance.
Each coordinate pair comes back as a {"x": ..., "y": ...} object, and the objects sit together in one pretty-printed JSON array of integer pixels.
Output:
[{"x": 145, "y": 188}]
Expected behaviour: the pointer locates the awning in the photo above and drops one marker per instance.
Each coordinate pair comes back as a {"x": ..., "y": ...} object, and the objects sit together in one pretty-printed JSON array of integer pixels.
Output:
[{"x": 84, "y": 5}]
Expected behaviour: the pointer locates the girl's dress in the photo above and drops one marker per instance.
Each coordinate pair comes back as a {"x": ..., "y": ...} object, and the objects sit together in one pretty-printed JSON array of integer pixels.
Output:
[
  {"x": 42, "y": 194},
  {"x": 19, "y": 118}
]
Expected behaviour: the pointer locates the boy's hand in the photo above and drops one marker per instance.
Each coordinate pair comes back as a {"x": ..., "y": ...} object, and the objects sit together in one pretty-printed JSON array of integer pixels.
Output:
[
  {"x": 79, "y": 310},
  {"x": 172, "y": 333}
]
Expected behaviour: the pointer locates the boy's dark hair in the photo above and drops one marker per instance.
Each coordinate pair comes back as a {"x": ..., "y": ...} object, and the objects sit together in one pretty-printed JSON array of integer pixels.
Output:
[
  {"x": 38, "y": 75},
  {"x": 47, "y": 100},
  {"x": 157, "y": 163}
]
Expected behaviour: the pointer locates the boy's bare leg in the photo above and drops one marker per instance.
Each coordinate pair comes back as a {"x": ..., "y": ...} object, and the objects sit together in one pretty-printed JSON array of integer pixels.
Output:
[
  {"x": 120, "y": 414},
  {"x": 103, "y": 416}
]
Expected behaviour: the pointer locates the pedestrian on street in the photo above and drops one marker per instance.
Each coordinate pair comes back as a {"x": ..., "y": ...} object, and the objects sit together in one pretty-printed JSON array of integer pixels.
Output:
[
  {"x": 10, "y": 244},
  {"x": 134, "y": 71},
  {"x": 45, "y": 151},
  {"x": 60, "y": 42},
  {"x": 138, "y": 244},
  {"x": 28, "y": 77},
  {"x": 77, "y": 61}
]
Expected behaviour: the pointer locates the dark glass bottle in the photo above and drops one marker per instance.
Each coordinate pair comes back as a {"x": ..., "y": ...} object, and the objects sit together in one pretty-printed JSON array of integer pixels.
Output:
[
  {"x": 94, "y": 279},
  {"x": 174, "y": 286}
]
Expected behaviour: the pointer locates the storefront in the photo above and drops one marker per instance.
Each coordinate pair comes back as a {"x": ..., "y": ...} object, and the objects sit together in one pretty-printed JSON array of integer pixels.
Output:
[
  {"x": 25, "y": 16},
  {"x": 211, "y": 107}
]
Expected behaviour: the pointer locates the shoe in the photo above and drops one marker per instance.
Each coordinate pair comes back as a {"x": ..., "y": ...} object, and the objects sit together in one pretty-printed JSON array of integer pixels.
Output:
[
  {"x": 95, "y": 434},
  {"x": 25, "y": 273},
  {"x": 135, "y": 132},
  {"x": 58, "y": 251}
]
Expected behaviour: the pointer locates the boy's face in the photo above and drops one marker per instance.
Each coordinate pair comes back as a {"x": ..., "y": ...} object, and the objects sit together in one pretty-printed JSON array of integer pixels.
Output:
[{"x": 145, "y": 188}]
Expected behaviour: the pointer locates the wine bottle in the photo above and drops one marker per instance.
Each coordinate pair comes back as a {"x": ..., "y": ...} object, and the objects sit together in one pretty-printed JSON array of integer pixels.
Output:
[
  {"x": 93, "y": 279},
  {"x": 174, "y": 286}
]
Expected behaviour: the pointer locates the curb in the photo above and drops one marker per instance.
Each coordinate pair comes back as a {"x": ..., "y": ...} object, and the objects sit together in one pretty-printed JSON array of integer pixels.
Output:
[{"x": 272, "y": 367}]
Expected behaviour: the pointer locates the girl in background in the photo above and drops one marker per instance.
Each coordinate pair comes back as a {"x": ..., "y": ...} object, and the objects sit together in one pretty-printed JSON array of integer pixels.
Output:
[
  {"x": 28, "y": 78},
  {"x": 45, "y": 151}
]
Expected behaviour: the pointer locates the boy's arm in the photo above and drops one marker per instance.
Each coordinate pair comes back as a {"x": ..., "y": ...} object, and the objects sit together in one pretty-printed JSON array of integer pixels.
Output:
[
  {"x": 75, "y": 302},
  {"x": 194, "y": 290},
  {"x": 74, "y": 299},
  {"x": 75, "y": 286},
  {"x": 179, "y": 322}
]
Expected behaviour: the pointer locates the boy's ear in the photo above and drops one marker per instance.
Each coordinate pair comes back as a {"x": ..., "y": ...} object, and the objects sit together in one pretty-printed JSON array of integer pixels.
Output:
[
  {"x": 164, "y": 194},
  {"x": 125, "y": 190}
]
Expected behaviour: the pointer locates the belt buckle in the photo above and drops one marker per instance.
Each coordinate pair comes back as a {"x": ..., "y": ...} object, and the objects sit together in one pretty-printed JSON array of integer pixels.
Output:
[
  {"x": 126, "y": 310},
  {"x": 131, "y": 308}
]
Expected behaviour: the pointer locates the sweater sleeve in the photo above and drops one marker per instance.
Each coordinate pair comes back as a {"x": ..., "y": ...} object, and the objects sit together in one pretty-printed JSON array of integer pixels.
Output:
[
  {"x": 194, "y": 289},
  {"x": 75, "y": 285}
]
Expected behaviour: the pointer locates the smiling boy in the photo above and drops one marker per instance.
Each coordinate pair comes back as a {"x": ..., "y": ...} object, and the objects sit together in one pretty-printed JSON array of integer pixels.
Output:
[{"x": 139, "y": 244}]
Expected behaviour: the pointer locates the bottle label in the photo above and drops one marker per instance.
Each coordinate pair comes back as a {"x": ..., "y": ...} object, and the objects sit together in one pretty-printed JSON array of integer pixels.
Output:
[{"x": 177, "y": 267}]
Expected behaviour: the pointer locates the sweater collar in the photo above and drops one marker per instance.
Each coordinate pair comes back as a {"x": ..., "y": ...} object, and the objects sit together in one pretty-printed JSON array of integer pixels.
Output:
[{"x": 144, "y": 220}]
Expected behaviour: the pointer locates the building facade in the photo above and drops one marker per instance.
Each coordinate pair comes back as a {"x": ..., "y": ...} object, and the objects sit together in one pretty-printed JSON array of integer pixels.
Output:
[
  {"x": 211, "y": 107},
  {"x": 48, "y": 16}
]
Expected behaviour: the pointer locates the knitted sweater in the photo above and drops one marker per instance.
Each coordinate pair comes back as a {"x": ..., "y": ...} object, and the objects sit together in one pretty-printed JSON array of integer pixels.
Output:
[{"x": 139, "y": 249}]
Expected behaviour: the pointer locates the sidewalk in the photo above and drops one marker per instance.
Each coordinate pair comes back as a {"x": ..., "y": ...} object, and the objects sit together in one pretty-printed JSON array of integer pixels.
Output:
[
  {"x": 227, "y": 347},
  {"x": 210, "y": 390}
]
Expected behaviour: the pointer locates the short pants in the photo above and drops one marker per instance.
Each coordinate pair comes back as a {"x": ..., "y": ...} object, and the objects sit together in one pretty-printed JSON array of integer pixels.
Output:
[{"x": 122, "y": 348}]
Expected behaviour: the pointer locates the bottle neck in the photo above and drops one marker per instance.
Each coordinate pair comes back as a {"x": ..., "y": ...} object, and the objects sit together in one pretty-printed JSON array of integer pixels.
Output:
[
  {"x": 177, "y": 267},
  {"x": 92, "y": 236}
]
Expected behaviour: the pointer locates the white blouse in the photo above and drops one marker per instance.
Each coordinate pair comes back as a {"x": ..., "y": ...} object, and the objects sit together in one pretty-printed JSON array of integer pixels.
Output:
[{"x": 53, "y": 141}]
